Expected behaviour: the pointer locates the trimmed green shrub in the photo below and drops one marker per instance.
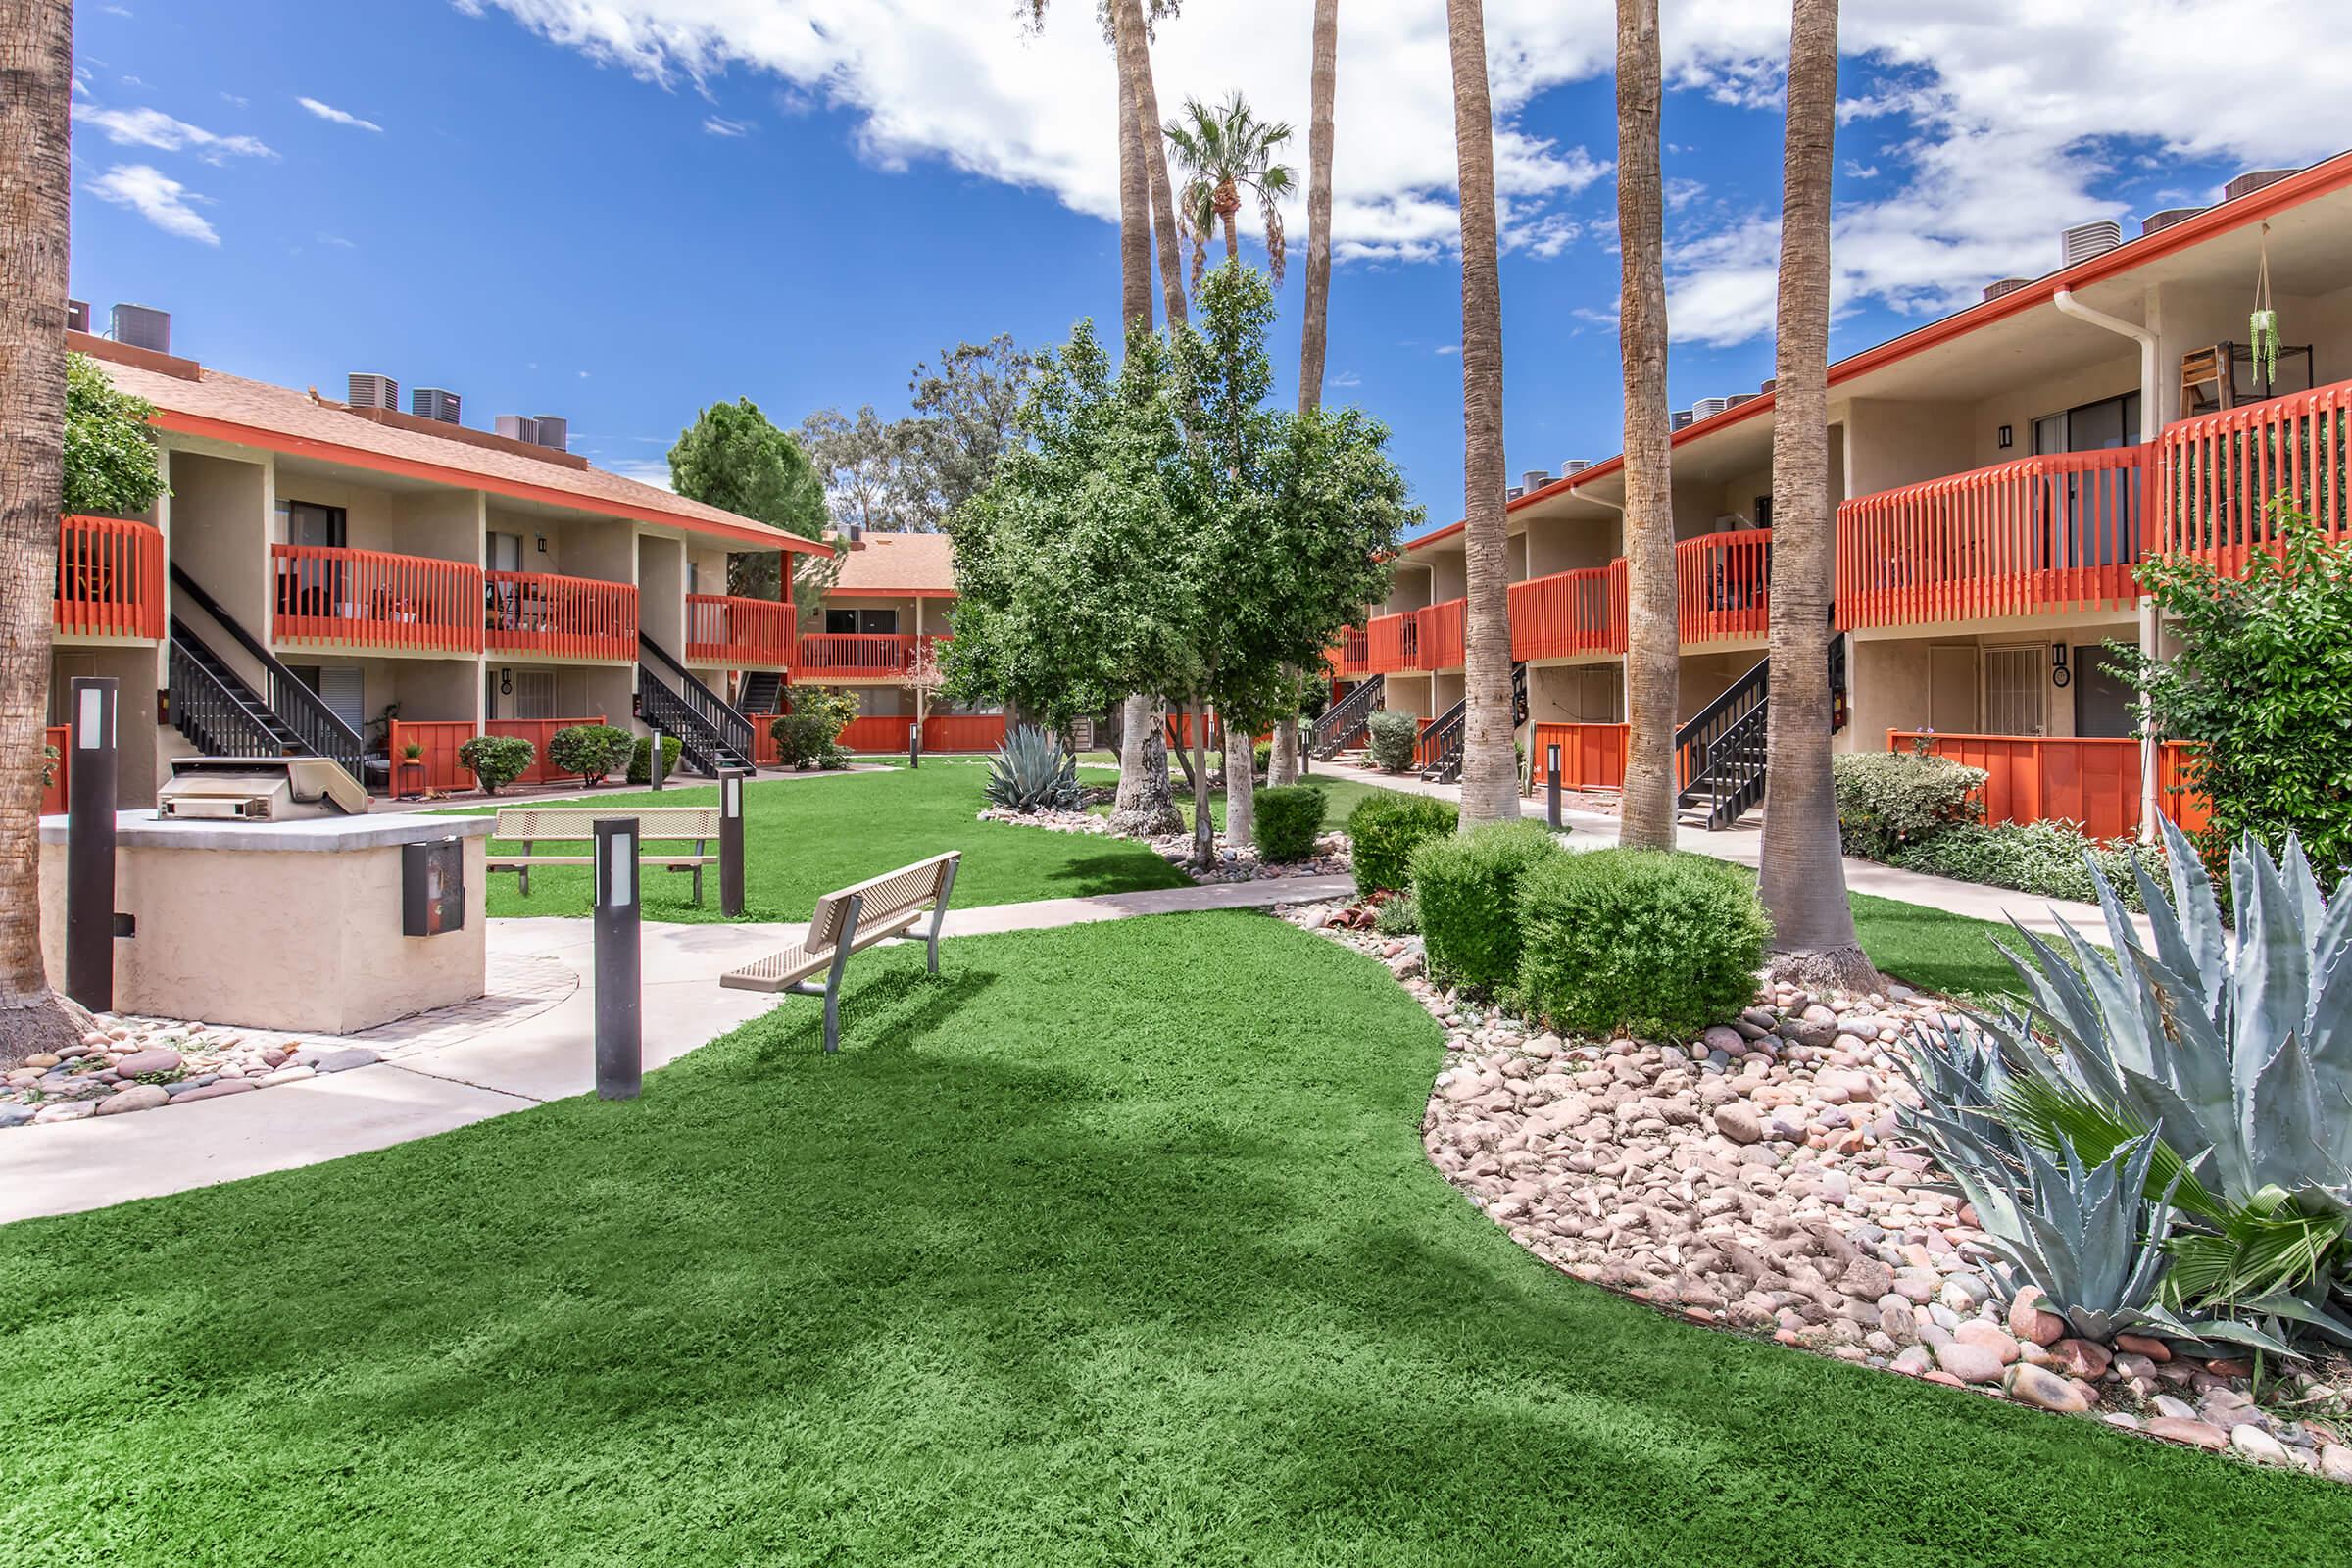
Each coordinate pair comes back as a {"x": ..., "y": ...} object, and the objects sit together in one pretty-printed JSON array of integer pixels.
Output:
[
  {"x": 1887, "y": 798},
  {"x": 641, "y": 757},
  {"x": 1288, "y": 820},
  {"x": 1398, "y": 917},
  {"x": 1391, "y": 737},
  {"x": 2043, "y": 857},
  {"x": 1261, "y": 756},
  {"x": 1648, "y": 943},
  {"x": 1466, "y": 888},
  {"x": 809, "y": 740},
  {"x": 591, "y": 751},
  {"x": 496, "y": 760},
  {"x": 1385, "y": 828}
]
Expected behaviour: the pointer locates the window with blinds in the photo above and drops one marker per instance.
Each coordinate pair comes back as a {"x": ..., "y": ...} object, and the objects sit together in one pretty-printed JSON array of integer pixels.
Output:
[
  {"x": 2014, "y": 684},
  {"x": 534, "y": 694}
]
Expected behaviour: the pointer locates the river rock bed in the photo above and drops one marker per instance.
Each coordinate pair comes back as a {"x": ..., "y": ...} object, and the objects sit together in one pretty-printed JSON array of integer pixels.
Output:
[
  {"x": 1755, "y": 1180},
  {"x": 1235, "y": 862},
  {"x": 131, "y": 1064}
]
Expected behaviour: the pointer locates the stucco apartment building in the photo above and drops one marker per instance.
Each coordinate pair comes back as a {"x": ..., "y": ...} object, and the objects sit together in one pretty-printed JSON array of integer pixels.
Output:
[
  {"x": 340, "y": 577},
  {"x": 885, "y": 622},
  {"x": 1996, "y": 476}
]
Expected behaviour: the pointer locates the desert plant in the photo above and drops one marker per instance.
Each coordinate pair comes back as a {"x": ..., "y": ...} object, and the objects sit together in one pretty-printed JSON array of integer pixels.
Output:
[
  {"x": 1032, "y": 770},
  {"x": 1466, "y": 890},
  {"x": 496, "y": 760},
  {"x": 806, "y": 741},
  {"x": 1397, "y": 917},
  {"x": 591, "y": 751},
  {"x": 1288, "y": 820},
  {"x": 2050, "y": 858},
  {"x": 1890, "y": 799},
  {"x": 1385, "y": 828},
  {"x": 641, "y": 757},
  {"x": 1390, "y": 737},
  {"x": 1647, "y": 941}
]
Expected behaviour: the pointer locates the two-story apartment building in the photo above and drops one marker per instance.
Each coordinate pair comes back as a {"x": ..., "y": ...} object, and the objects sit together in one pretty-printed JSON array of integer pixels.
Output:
[
  {"x": 885, "y": 622},
  {"x": 343, "y": 578},
  {"x": 1996, "y": 475}
]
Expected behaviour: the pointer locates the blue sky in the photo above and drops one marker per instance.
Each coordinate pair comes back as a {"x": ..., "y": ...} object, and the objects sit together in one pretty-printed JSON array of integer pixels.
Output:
[{"x": 622, "y": 209}]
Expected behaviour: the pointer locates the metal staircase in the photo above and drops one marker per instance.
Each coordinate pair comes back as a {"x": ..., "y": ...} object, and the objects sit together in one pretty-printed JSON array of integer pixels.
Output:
[
  {"x": 761, "y": 691},
  {"x": 1446, "y": 735},
  {"x": 1344, "y": 721},
  {"x": 711, "y": 736},
  {"x": 1721, "y": 752},
  {"x": 220, "y": 713}
]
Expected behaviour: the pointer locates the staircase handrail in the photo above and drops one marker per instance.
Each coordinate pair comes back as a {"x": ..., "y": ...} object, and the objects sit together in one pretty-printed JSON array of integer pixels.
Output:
[
  {"x": 203, "y": 709},
  {"x": 731, "y": 728},
  {"x": 300, "y": 709},
  {"x": 1344, "y": 719}
]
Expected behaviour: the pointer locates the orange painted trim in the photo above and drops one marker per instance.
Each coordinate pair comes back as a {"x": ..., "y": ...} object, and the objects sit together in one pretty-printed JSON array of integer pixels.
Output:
[{"x": 251, "y": 435}]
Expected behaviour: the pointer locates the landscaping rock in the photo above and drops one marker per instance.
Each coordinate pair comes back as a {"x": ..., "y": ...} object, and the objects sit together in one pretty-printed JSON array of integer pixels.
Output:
[
  {"x": 2029, "y": 1322},
  {"x": 2029, "y": 1384},
  {"x": 138, "y": 1097},
  {"x": 2194, "y": 1432},
  {"x": 217, "y": 1090},
  {"x": 337, "y": 1060},
  {"x": 2140, "y": 1345},
  {"x": 1969, "y": 1363},
  {"x": 140, "y": 1063},
  {"x": 2257, "y": 1444},
  {"x": 1738, "y": 1122}
]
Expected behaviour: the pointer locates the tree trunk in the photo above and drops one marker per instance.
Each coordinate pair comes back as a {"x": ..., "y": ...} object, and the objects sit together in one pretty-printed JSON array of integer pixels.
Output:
[
  {"x": 1813, "y": 940},
  {"x": 1241, "y": 785},
  {"x": 1233, "y": 238},
  {"x": 1144, "y": 806},
  {"x": 1135, "y": 199},
  {"x": 1282, "y": 759},
  {"x": 1490, "y": 774},
  {"x": 36, "y": 70},
  {"x": 1653, "y": 655},
  {"x": 1135, "y": 64},
  {"x": 1204, "y": 823}
]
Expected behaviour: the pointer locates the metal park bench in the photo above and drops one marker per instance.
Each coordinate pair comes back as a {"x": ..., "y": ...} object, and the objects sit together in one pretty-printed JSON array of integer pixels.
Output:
[
  {"x": 847, "y": 921},
  {"x": 534, "y": 825}
]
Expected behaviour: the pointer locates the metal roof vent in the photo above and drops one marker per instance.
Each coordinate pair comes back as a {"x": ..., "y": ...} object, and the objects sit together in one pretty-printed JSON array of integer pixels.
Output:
[
  {"x": 2157, "y": 223},
  {"x": 517, "y": 427},
  {"x": 1535, "y": 480},
  {"x": 554, "y": 430},
  {"x": 434, "y": 403},
  {"x": 77, "y": 316},
  {"x": 2086, "y": 241},
  {"x": 365, "y": 389},
  {"x": 1738, "y": 398},
  {"x": 1767, "y": 384},
  {"x": 2007, "y": 285},
  {"x": 1514, "y": 492},
  {"x": 1708, "y": 408},
  {"x": 1573, "y": 467},
  {"x": 142, "y": 327},
  {"x": 1681, "y": 416},
  {"x": 2252, "y": 180}
]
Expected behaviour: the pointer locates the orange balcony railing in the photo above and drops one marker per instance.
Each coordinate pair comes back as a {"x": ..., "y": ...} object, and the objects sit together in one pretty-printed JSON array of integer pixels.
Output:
[
  {"x": 375, "y": 598},
  {"x": 572, "y": 617},
  {"x": 740, "y": 633},
  {"x": 2040, "y": 534},
  {"x": 110, "y": 578},
  {"x": 1393, "y": 643},
  {"x": 1569, "y": 613},
  {"x": 1441, "y": 633},
  {"x": 2217, "y": 474},
  {"x": 1350, "y": 658},
  {"x": 863, "y": 655},
  {"x": 1721, "y": 583}
]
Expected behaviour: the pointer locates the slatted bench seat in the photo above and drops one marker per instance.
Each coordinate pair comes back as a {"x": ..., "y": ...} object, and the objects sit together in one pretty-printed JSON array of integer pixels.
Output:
[
  {"x": 534, "y": 825},
  {"x": 848, "y": 921}
]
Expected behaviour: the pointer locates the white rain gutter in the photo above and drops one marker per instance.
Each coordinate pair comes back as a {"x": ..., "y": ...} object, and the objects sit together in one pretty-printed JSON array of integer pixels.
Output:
[{"x": 2151, "y": 425}]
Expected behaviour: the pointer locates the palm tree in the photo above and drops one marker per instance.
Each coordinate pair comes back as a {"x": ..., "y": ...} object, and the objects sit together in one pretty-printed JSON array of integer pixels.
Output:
[
  {"x": 36, "y": 72},
  {"x": 1813, "y": 940},
  {"x": 1653, "y": 637},
  {"x": 1133, "y": 40},
  {"x": 1223, "y": 152},
  {"x": 1282, "y": 766},
  {"x": 1489, "y": 776}
]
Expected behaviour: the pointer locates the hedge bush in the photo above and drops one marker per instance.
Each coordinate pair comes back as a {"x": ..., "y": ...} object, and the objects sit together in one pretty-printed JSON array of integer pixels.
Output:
[
  {"x": 2041, "y": 858},
  {"x": 1261, "y": 756},
  {"x": 1888, "y": 798},
  {"x": 1288, "y": 820},
  {"x": 591, "y": 751},
  {"x": 641, "y": 757},
  {"x": 496, "y": 760},
  {"x": 1465, "y": 890},
  {"x": 807, "y": 740},
  {"x": 1385, "y": 828},
  {"x": 1390, "y": 739},
  {"x": 1649, "y": 943}
]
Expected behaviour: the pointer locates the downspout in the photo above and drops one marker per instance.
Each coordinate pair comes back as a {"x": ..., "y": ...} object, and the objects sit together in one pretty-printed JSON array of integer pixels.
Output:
[{"x": 2151, "y": 425}]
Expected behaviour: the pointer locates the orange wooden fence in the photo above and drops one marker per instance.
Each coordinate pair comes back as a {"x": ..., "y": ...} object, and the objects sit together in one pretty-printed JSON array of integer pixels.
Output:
[
  {"x": 1591, "y": 756},
  {"x": 1721, "y": 582},
  {"x": 1440, "y": 640},
  {"x": 963, "y": 732},
  {"x": 2218, "y": 473},
  {"x": 538, "y": 731},
  {"x": 572, "y": 617},
  {"x": 53, "y": 795},
  {"x": 1569, "y": 613},
  {"x": 746, "y": 633},
  {"x": 110, "y": 578},
  {"x": 1394, "y": 643},
  {"x": 440, "y": 739},
  {"x": 376, "y": 599},
  {"x": 764, "y": 739},
  {"x": 2049, "y": 533},
  {"x": 2090, "y": 780},
  {"x": 1350, "y": 658},
  {"x": 872, "y": 732}
]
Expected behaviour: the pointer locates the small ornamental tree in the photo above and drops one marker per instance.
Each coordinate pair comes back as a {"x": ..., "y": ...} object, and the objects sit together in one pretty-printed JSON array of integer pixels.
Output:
[{"x": 2260, "y": 687}]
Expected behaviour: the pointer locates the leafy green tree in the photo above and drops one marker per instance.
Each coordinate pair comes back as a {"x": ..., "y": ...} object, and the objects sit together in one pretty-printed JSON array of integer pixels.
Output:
[
  {"x": 2262, "y": 685},
  {"x": 110, "y": 458},
  {"x": 862, "y": 462},
  {"x": 965, "y": 415},
  {"x": 732, "y": 458}
]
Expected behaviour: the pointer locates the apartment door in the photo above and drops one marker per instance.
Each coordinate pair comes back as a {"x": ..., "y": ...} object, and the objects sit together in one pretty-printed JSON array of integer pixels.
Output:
[
  {"x": 2102, "y": 696},
  {"x": 502, "y": 552},
  {"x": 1952, "y": 688},
  {"x": 2095, "y": 519},
  {"x": 310, "y": 585}
]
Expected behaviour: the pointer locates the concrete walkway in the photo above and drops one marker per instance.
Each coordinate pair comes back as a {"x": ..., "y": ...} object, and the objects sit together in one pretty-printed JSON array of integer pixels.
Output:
[{"x": 487, "y": 1062}]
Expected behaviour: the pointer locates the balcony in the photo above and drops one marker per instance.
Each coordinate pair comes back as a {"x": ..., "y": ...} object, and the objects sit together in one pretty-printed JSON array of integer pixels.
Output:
[
  {"x": 1350, "y": 658},
  {"x": 2035, "y": 536},
  {"x": 1392, "y": 644},
  {"x": 1442, "y": 634},
  {"x": 2218, "y": 473},
  {"x": 110, "y": 578},
  {"x": 1722, "y": 586},
  {"x": 739, "y": 633},
  {"x": 861, "y": 655},
  {"x": 567, "y": 618},
  {"x": 375, "y": 599},
  {"x": 1569, "y": 613}
]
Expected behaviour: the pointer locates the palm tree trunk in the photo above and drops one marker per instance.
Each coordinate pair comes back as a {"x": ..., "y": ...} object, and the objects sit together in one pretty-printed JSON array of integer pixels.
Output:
[
  {"x": 1813, "y": 941},
  {"x": 1653, "y": 636},
  {"x": 1233, "y": 238},
  {"x": 1489, "y": 775},
  {"x": 36, "y": 70},
  {"x": 1135, "y": 64},
  {"x": 1134, "y": 204}
]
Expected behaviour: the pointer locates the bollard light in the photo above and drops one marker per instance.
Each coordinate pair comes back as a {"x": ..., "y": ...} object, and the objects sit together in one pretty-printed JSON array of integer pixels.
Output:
[
  {"x": 655, "y": 770},
  {"x": 90, "y": 801},
  {"x": 619, "y": 962},
  {"x": 730, "y": 842},
  {"x": 1551, "y": 785}
]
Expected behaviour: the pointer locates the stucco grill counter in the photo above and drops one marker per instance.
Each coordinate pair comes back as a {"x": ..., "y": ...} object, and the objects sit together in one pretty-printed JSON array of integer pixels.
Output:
[{"x": 295, "y": 925}]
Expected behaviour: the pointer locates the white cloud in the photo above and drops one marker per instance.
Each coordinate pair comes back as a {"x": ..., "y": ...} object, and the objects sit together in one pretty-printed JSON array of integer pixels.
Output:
[
  {"x": 158, "y": 198},
  {"x": 719, "y": 127},
  {"x": 152, "y": 127},
  {"x": 337, "y": 241},
  {"x": 645, "y": 471},
  {"x": 1343, "y": 380},
  {"x": 1447, "y": 348},
  {"x": 341, "y": 117}
]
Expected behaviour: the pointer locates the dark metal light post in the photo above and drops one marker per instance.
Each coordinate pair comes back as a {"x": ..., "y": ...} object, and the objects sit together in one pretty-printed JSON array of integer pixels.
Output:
[
  {"x": 730, "y": 842},
  {"x": 655, "y": 770},
  {"x": 90, "y": 794},
  {"x": 1551, "y": 785},
  {"x": 914, "y": 745},
  {"x": 619, "y": 962}
]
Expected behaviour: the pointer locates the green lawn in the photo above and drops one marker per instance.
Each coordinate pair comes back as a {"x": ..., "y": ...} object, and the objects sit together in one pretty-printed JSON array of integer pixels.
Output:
[
  {"x": 806, "y": 837},
  {"x": 1935, "y": 950},
  {"x": 1114, "y": 1245}
]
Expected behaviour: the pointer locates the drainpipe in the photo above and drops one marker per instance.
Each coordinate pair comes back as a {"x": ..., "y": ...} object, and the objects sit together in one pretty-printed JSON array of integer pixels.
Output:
[{"x": 2151, "y": 424}]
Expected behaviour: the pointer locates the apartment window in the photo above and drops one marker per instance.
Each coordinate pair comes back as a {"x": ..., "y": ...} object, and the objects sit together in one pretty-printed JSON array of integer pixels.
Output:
[
  {"x": 2089, "y": 427},
  {"x": 534, "y": 694},
  {"x": 306, "y": 523},
  {"x": 2014, "y": 684}
]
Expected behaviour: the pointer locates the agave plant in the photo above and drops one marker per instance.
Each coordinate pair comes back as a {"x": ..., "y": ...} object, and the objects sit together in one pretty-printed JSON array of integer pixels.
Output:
[{"x": 1032, "y": 770}]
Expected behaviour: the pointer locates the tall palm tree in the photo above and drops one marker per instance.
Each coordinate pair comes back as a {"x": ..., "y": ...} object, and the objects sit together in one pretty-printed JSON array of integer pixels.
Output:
[
  {"x": 1813, "y": 940},
  {"x": 1223, "y": 152},
  {"x": 1489, "y": 775},
  {"x": 1282, "y": 766},
  {"x": 1134, "y": 40},
  {"x": 36, "y": 72},
  {"x": 1653, "y": 637}
]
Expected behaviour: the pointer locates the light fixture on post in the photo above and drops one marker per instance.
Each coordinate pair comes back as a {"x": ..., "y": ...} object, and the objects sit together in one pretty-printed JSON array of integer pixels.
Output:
[
  {"x": 2008, "y": 438},
  {"x": 2059, "y": 675}
]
